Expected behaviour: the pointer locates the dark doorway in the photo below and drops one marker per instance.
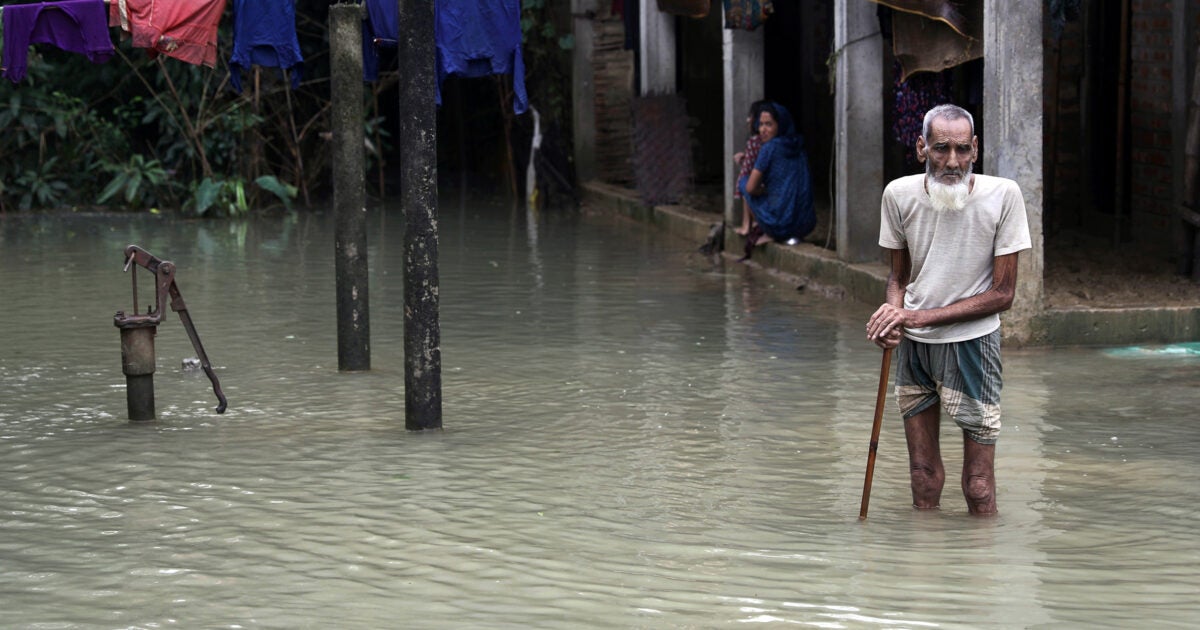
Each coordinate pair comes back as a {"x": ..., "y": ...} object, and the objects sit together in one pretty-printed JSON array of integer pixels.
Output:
[
  {"x": 700, "y": 79},
  {"x": 797, "y": 43}
]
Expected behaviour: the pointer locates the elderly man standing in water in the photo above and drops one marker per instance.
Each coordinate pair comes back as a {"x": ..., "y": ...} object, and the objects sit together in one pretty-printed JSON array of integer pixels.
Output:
[{"x": 953, "y": 237}]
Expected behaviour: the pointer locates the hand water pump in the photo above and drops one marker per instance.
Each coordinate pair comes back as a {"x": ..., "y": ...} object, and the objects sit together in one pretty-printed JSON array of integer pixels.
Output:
[{"x": 138, "y": 330}]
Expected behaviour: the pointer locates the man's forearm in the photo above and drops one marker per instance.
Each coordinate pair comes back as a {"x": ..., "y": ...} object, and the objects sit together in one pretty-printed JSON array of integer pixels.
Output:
[
  {"x": 987, "y": 303},
  {"x": 997, "y": 299}
]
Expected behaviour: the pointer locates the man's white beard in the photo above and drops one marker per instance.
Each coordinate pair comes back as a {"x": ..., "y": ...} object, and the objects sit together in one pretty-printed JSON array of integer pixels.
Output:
[{"x": 949, "y": 196}]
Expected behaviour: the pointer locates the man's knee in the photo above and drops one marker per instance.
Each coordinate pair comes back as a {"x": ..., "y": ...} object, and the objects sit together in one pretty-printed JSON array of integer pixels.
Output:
[
  {"x": 927, "y": 481},
  {"x": 918, "y": 469},
  {"x": 979, "y": 489}
]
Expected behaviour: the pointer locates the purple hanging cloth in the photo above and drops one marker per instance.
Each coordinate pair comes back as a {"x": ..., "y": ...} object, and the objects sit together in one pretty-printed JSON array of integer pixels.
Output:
[{"x": 78, "y": 26}]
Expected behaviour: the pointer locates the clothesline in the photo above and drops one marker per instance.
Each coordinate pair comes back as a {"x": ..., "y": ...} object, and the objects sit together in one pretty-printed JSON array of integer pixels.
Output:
[{"x": 475, "y": 37}]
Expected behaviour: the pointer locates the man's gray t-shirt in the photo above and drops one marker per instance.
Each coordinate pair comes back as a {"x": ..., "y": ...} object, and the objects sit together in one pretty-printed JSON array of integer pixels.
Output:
[{"x": 952, "y": 251}]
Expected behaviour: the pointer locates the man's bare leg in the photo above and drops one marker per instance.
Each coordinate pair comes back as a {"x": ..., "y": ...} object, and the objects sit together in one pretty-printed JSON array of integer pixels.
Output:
[
  {"x": 979, "y": 478},
  {"x": 925, "y": 468}
]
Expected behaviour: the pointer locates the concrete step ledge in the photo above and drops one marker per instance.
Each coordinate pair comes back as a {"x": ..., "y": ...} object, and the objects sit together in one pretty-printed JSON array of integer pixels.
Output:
[{"x": 865, "y": 282}]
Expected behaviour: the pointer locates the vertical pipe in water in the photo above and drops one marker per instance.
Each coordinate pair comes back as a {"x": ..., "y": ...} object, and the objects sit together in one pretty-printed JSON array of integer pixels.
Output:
[
  {"x": 349, "y": 188},
  {"x": 418, "y": 166},
  {"x": 138, "y": 363}
]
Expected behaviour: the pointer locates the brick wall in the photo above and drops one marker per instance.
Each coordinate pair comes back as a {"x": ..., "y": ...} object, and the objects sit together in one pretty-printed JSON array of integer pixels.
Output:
[
  {"x": 1064, "y": 179},
  {"x": 1080, "y": 114}
]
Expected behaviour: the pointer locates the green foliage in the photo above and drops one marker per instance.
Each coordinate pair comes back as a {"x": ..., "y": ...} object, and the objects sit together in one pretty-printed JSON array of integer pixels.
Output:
[
  {"x": 229, "y": 197},
  {"x": 40, "y": 185},
  {"x": 284, "y": 192},
  {"x": 141, "y": 133},
  {"x": 221, "y": 197},
  {"x": 138, "y": 179}
]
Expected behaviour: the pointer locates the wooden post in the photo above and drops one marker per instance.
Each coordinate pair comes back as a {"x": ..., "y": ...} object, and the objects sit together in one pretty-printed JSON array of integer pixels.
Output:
[
  {"x": 418, "y": 176},
  {"x": 349, "y": 194}
]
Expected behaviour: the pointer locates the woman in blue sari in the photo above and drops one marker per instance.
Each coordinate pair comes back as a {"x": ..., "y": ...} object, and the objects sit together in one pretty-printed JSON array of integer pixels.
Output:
[{"x": 779, "y": 188}]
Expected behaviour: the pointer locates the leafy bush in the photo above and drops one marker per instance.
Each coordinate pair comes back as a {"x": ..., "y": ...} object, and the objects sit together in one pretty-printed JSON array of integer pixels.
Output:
[{"x": 140, "y": 133}]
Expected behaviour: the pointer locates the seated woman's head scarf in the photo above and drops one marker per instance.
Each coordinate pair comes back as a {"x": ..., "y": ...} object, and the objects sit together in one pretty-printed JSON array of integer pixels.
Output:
[
  {"x": 756, "y": 110},
  {"x": 788, "y": 138}
]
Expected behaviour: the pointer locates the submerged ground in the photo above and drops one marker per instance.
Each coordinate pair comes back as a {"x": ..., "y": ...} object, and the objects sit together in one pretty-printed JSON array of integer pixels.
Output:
[{"x": 634, "y": 437}]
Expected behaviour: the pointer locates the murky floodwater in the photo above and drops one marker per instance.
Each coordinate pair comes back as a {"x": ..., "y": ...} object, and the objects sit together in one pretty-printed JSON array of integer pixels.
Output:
[{"x": 632, "y": 439}]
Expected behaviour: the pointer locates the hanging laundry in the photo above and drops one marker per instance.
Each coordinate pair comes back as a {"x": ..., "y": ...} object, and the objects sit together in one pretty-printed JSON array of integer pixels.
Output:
[
  {"x": 264, "y": 34},
  {"x": 933, "y": 35},
  {"x": 76, "y": 26},
  {"x": 747, "y": 14},
  {"x": 686, "y": 8},
  {"x": 183, "y": 29},
  {"x": 913, "y": 97},
  {"x": 964, "y": 16},
  {"x": 1, "y": 41},
  {"x": 381, "y": 29},
  {"x": 474, "y": 38},
  {"x": 477, "y": 38}
]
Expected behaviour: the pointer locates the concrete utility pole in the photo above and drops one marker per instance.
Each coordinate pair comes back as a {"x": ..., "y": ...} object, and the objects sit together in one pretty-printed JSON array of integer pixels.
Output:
[
  {"x": 349, "y": 195},
  {"x": 418, "y": 165}
]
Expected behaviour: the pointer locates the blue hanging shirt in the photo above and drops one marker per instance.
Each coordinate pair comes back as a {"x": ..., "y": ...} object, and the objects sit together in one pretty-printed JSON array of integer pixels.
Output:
[
  {"x": 474, "y": 38},
  {"x": 381, "y": 28},
  {"x": 264, "y": 34}
]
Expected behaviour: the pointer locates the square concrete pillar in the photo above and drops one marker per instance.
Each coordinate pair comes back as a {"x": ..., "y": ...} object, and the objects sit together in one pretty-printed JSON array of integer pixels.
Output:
[
  {"x": 858, "y": 123},
  {"x": 1012, "y": 131},
  {"x": 742, "y": 61},
  {"x": 583, "y": 95}
]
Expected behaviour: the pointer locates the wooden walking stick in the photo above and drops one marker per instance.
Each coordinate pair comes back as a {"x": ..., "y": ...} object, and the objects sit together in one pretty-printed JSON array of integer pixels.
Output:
[{"x": 879, "y": 397}]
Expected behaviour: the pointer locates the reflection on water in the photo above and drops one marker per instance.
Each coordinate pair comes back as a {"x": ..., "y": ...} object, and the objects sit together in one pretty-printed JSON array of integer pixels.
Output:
[{"x": 633, "y": 438}]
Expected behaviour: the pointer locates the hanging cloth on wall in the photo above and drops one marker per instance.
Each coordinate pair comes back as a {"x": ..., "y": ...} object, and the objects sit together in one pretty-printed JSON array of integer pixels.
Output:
[
  {"x": 932, "y": 35},
  {"x": 264, "y": 34},
  {"x": 747, "y": 14},
  {"x": 686, "y": 8},
  {"x": 380, "y": 29},
  {"x": 965, "y": 17},
  {"x": 477, "y": 38},
  {"x": 183, "y": 29},
  {"x": 913, "y": 97},
  {"x": 76, "y": 26}
]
